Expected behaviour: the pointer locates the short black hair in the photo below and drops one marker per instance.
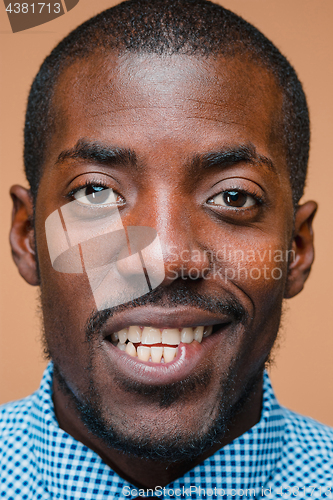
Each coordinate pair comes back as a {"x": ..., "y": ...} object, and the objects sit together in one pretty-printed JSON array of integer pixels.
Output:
[{"x": 168, "y": 27}]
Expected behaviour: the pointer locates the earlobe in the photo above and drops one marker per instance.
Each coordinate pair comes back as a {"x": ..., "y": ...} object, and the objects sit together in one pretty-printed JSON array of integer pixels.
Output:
[
  {"x": 22, "y": 235},
  {"x": 302, "y": 249}
]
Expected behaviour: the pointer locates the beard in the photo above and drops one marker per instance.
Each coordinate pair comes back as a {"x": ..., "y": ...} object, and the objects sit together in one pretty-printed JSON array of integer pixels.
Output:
[{"x": 171, "y": 445}]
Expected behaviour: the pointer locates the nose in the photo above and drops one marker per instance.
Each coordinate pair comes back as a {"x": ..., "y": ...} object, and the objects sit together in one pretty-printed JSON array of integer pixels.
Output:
[
  {"x": 175, "y": 252},
  {"x": 184, "y": 257}
]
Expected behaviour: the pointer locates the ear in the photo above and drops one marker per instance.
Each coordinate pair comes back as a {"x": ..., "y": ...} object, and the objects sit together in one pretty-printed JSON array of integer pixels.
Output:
[
  {"x": 22, "y": 235},
  {"x": 302, "y": 250}
]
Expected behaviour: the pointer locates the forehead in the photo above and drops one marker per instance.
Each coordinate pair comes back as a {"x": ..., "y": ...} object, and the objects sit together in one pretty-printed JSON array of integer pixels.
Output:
[{"x": 142, "y": 101}]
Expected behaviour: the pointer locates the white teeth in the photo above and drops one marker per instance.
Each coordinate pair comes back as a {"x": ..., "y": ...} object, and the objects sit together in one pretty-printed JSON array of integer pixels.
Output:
[
  {"x": 186, "y": 335},
  {"x": 171, "y": 336},
  {"x": 198, "y": 333},
  {"x": 207, "y": 331},
  {"x": 130, "y": 349},
  {"x": 169, "y": 353},
  {"x": 114, "y": 337},
  {"x": 150, "y": 335},
  {"x": 134, "y": 334},
  {"x": 143, "y": 352},
  {"x": 156, "y": 354},
  {"x": 127, "y": 337},
  {"x": 122, "y": 335}
]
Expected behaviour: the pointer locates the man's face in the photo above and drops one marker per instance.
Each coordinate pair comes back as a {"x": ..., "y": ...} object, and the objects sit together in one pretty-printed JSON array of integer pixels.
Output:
[{"x": 210, "y": 177}]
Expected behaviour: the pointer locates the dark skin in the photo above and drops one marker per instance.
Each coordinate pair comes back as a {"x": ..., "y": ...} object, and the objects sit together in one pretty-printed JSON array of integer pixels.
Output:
[{"x": 190, "y": 108}]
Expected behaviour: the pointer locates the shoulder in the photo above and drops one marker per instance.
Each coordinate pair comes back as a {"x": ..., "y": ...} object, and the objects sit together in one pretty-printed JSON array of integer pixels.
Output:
[
  {"x": 307, "y": 453},
  {"x": 18, "y": 469},
  {"x": 15, "y": 416},
  {"x": 22, "y": 416},
  {"x": 16, "y": 428},
  {"x": 308, "y": 433}
]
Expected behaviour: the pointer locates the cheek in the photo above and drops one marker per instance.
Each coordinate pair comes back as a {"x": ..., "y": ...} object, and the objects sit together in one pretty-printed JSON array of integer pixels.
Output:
[
  {"x": 65, "y": 289},
  {"x": 257, "y": 266},
  {"x": 66, "y": 297},
  {"x": 67, "y": 303},
  {"x": 256, "y": 271}
]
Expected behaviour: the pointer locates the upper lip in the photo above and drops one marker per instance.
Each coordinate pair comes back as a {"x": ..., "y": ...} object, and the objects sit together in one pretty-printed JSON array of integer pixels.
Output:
[{"x": 163, "y": 317}]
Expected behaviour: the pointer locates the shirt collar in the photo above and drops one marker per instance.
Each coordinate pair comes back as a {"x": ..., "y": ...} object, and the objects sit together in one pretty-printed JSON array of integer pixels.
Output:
[{"x": 247, "y": 462}]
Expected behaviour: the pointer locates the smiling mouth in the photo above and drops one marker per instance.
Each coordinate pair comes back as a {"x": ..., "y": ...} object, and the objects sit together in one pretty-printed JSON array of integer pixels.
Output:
[{"x": 157, "y": 345}]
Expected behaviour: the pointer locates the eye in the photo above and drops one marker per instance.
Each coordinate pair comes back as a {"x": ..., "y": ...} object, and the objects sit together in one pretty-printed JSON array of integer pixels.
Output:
[
  {"x": 97, "y": 196},
  {"x": 233, "y": 199}
]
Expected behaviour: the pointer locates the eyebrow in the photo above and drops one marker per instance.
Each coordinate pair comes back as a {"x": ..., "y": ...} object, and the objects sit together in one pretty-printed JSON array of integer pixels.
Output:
[
  {"x": 98, "y": 152},
  {"x": 231, "y": 155},
  {"x": 111, "y": 156}
]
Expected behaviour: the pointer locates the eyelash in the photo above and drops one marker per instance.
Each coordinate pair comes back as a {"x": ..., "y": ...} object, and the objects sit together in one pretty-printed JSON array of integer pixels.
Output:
[
  {"x": 259, "y": 199},
  {"x": 90, "y": 183}
]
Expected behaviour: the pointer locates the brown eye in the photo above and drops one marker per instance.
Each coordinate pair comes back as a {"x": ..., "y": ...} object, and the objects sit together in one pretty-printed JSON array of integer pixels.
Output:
[{"x": 233, "y": 199}]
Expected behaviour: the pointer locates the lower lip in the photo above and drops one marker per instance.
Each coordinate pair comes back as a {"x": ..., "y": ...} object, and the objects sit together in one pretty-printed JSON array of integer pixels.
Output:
[{"x": 188, "y": 358}]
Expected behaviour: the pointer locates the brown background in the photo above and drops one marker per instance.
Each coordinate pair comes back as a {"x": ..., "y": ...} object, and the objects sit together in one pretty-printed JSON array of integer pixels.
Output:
[{"x": 302, "y": 29}]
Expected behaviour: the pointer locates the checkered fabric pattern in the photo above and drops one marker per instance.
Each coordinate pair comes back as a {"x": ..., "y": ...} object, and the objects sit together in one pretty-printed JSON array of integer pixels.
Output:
[{"x": 284, "y": 456}]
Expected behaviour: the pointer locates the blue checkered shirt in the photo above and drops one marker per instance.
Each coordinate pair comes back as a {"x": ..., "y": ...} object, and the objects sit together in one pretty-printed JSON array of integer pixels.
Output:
[{"x": 284, "y": 456}]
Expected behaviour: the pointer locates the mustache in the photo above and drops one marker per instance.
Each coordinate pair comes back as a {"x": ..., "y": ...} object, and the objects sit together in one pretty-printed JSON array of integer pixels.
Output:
[{"x": 180, "y": 296}]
